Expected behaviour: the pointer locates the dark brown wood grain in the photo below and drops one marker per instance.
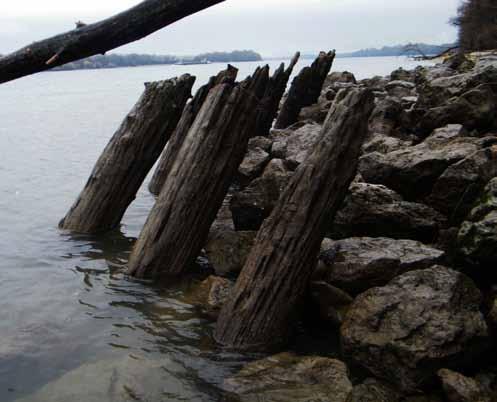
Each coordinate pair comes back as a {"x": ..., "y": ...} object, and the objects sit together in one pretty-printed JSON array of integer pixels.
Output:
[
  {"x": 202, "y": 172},
  {"x": 88, "y": 40},
  {"x": 271, "y": 100},
  {"x": 129, "y": 156},
  {"x": 305, "y": 89},
  {"x": 187, "y": 118},
  {"x": 277, "y": 272}
]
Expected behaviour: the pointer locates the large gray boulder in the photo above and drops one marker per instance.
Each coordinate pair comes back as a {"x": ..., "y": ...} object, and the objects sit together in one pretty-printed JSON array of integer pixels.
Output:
[
  {"x": 413, "y": 171},
  {"x": 360, "y": 263},
  {"x": 458, "y": 188},
  {"x": 294, "y": 143},
  {"x": 420, "y": 322},
  {"x": 477, "y": 238},
  {"x": 286, "y": 377},
  {"x": 376, "y": 211}
]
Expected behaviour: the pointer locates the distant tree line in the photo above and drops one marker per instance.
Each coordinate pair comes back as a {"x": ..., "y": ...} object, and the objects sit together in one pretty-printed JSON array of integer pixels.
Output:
[
  {"x": 477, "y": 22},
  {"x": 412, "y": 49},
  {"x": 134, "y": 60}
]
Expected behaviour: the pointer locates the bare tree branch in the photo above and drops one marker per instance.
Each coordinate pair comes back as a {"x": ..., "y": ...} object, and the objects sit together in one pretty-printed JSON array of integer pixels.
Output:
[{"x": 88, "y": 40}]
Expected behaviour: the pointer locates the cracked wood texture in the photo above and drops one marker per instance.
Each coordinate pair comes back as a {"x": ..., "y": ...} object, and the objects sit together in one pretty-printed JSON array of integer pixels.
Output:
[
  {"x": 131, "y": 25},
  {"x": 271, "y": 100},
  {"x": 129, "y": 156},
  {"x": 202, "y": 172},
  {"x": 187, "y": 118},
  {"x": 277, "y": 272},
  {"x": 305, "y": 89}
]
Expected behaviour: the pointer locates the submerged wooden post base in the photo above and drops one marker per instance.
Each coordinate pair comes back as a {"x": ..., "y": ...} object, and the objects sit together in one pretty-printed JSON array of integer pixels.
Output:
[
  {"x": 187, "y": 118},
  {"x": 202, "y": 172},
  {"x": 278, "y": 269},
  {"x": 129, "y": 156},
  {"x": 305, "y": 89}
]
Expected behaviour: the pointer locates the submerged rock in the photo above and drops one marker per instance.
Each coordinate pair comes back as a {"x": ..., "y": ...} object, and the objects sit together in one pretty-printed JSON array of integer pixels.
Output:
[
  {"x": 477, "y": 238},
  {"x": 459, "y": 388},
  {"x": 420, "y": 322},
  {"x": 360, "y": 263},
  {"x": 371, "y": 390},
  {"x": 376, "y": 211},
  {"x": 211, "y": 294},
  {"x": 228, "y": 249},
  {"x": 286, "y": 377}
]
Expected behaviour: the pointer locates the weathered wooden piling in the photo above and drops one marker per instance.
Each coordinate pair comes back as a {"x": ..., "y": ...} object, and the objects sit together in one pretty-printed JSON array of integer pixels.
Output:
[
  {"x": 203, "y": 169},
  {"x": 129, "y": 156},
  {"x": 187, "y": 118},
  {"x": 305, "y": 89},
  {"x": 271, "y": 100},
  {"x": 278, "y": 269}
]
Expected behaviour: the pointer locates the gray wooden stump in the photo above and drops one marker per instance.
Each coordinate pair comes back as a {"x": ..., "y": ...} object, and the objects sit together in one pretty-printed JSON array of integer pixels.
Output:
[
  {"x": 202, "y": 172},
  {"x": 278, "y": 269},
  {"x": 187, "y": 118},
  {"x": 305, "y": 89},
  {"x": 128, "y": 157}
]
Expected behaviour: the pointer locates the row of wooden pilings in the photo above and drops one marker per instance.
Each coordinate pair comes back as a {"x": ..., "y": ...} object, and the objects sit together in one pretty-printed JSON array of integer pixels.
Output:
[{"x": 206, "y": 140}]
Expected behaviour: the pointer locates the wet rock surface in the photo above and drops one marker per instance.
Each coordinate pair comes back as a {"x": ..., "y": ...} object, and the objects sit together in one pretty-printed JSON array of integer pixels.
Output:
[
  {"x": 290, "y": 378},
  {"x": 360, "y": 263},
  {"x": 418, "y": 323}
]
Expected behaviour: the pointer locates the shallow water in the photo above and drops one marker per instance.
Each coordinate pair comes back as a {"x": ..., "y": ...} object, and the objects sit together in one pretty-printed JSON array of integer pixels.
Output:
[{"x": 72, "y": 326}]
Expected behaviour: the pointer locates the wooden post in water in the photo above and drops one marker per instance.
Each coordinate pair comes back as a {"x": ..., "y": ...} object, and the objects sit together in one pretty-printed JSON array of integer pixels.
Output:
[
  {"x": 278, "y": 269},
  {"x": 202, "y": 172},
  {"x": 271, "y": 100},
  {"x": 305, "y": 89},
  {"x": 187, "y": 118},
  {"x": 129, "y": 156}
]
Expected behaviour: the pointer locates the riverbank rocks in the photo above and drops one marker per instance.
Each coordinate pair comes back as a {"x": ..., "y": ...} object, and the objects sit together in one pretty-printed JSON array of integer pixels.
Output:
[
  {"x": 211, "y": 294},
  {"x": 401, "y": 89},
  {"x": 388, "y": 117},
  {"x": 413, "y": 171},
  {"x": 477, "y": 238},
  {"x": 250, "y": 206},
  {"x": 360, "y": 263},
  {"x": 371, "y": 390},
  {"x": 290, "y": 378},
  {"x": 333, "y": 303},
  {"x": 377, "y": 211},
  {"x": 294, "y": 143},
  {"x": 459, "y": 388},
  {"x": 228, "y": 249},
  {"x": 253, "y": 164},
  {"x": 418, "y": 323}
]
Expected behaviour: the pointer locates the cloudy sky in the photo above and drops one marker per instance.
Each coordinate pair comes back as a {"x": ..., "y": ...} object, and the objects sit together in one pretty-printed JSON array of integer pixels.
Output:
[{"x": 272, "y": 27}]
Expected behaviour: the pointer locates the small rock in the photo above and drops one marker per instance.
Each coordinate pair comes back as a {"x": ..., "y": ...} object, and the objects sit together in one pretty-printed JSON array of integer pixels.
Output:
[
  {"x": 402, "y": 75},
  {"x": 371, "y": 390},
  {"x": 400, "y": 89},
  {"x": 388, "y": 117},
  {"x": 376, "y": 211},
  {"x": 420, "y": 322},
  {"x": 360, "y": 263},
  {"x": 263, "y": 143},
  {"x": 459, "y": 388},
  {"x": 343, "y": 77},
  {"x": 384, "y": 144},
  {"x": 253, "y": 164},
  {"x": 211, "y": 294},
  {"x": 286, "y": 377},
  {"x": 228, "y": 249}
]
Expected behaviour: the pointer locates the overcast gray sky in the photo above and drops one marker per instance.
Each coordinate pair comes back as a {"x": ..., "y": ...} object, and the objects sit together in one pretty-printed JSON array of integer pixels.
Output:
[{"x": 272, "y": 27}]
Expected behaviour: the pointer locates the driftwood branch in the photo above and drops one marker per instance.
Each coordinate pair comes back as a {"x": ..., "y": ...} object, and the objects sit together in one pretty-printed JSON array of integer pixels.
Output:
[{"x": 88, "y": 40}]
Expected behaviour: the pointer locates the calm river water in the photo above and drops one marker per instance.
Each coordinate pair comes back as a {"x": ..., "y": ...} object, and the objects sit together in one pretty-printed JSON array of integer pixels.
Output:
[{"x": 72, "y": 327}]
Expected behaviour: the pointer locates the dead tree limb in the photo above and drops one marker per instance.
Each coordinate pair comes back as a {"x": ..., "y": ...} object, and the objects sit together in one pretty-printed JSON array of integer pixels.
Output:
[
  {"x": 272, "y": 98},
  {"x": 305, "y": 89},
  {"x": 203, "y": 170},
  {"x": 129, "y": 156},
  {"x": 128, "y": 26},
  {"x": 187, "y": 118},
  {"x": 277, "y": 271}
]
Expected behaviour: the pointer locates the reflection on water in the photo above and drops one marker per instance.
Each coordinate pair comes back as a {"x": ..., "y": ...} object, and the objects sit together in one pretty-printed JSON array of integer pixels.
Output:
[{"x": 72, "y": 326}]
